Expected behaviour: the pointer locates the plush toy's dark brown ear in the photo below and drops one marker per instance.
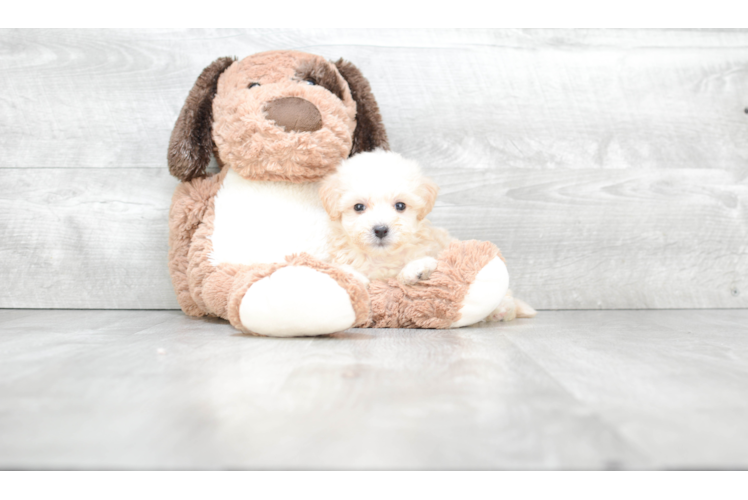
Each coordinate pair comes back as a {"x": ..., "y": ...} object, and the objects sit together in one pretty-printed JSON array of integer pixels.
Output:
[
  {"x": 191, "y": 143},
  {"x": 369, "y": 133}
]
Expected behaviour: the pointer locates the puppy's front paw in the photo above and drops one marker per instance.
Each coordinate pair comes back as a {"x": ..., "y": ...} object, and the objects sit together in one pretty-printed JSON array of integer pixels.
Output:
[{"x": 417, "y": 270}]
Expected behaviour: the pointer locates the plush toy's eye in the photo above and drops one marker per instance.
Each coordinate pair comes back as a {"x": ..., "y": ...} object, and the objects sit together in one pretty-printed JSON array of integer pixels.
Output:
[
  {"x": 253, "y": 84},
  {"x": 400, "y": 206},
  {"x": 359, "y": 207},
  {"x": 310, "y": 81}
]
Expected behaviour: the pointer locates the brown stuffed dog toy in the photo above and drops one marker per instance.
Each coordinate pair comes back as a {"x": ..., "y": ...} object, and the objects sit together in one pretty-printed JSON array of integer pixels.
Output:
[{"x": 249, "y": 244}]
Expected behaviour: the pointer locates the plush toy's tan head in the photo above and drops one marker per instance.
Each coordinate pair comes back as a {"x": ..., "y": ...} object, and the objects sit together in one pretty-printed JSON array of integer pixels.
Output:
[{"x": 277, "y": 116}]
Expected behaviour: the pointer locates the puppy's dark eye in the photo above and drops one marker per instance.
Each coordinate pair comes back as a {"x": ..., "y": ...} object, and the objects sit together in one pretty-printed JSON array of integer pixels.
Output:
[
  {"x": 310, "y": 81},
  {"x": 253, "y": 84},
  {"x": 400, "y": 206},
  {"x": 359, "y": 207}
]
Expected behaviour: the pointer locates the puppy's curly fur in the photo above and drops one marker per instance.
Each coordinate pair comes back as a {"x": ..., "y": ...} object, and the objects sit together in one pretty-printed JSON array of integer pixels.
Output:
[{"x": 377, "y": 203}]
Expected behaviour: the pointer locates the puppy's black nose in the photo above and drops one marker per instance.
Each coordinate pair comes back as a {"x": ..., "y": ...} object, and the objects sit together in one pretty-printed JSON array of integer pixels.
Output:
[{"x": 381, "y": 231}]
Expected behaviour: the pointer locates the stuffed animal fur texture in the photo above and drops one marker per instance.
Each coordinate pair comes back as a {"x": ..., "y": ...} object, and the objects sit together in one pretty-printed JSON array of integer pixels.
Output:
[{"x": 251, "y": 243}]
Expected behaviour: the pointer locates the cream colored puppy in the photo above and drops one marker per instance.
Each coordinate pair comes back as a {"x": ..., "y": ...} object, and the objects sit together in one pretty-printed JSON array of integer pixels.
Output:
[{"x": 377, "y": 203}]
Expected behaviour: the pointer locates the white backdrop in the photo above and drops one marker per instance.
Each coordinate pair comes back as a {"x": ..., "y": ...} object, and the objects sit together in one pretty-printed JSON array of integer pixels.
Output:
[{"x": 610, "y": 166}]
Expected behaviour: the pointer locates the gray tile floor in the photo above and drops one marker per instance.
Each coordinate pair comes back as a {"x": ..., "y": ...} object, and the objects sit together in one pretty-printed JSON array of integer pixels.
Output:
[{"x": 565, "y": 390}]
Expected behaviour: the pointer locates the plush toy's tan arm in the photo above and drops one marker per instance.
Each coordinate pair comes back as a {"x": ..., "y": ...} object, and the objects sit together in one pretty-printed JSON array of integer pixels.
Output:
[
  {"x": 189, "y": 205},
  {"x": 437, "y": 301}
]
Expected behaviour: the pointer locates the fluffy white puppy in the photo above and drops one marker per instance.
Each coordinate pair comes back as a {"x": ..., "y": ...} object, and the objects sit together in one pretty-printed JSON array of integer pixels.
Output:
[{"x": 377, "y": 203}]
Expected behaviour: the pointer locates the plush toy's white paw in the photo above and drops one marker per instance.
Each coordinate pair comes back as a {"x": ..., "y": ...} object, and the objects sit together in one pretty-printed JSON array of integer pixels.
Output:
[
  {"x": 484, "y": 294},
  {"x": 416, "y": 270},
  {"x": 296, "y": 301}
]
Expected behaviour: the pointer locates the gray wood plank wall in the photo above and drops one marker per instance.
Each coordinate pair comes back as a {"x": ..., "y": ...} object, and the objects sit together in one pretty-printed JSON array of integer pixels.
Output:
[{"x": 611, "y": 166}]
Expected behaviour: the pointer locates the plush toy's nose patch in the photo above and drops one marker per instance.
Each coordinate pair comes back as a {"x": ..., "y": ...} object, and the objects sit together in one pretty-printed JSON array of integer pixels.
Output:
[{"x": 294, "y": 114}]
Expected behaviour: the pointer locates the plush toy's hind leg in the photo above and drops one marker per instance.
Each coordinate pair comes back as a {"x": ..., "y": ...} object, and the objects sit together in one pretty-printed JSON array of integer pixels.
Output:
[
  {"x": 469, "y": 282},
  {"x": 302, "y": 297}
]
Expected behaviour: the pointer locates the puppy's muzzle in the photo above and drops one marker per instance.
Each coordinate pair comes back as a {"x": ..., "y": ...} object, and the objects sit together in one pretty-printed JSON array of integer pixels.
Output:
[
  {"x": 294, "y": 114},
  {"x": 380, "y": 231}
]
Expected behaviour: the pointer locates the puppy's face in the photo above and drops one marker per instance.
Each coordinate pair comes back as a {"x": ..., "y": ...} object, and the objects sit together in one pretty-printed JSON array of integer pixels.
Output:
[
  {"x": 380, "y": 199},
  {"x": 379, "y": 222}
]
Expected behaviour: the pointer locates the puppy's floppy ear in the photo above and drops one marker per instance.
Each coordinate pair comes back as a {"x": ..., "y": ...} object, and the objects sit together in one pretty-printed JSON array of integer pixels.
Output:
[
  {"x": 427, "y": 191},
  {"x": 191, "y": 142},
  {"x": 369, "y": 134},
  {"x": 330, "y": 194}
]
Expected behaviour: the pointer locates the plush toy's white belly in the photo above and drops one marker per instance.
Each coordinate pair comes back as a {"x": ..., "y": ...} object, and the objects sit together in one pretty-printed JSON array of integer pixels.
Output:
[{"x": 263, "y": 222}]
